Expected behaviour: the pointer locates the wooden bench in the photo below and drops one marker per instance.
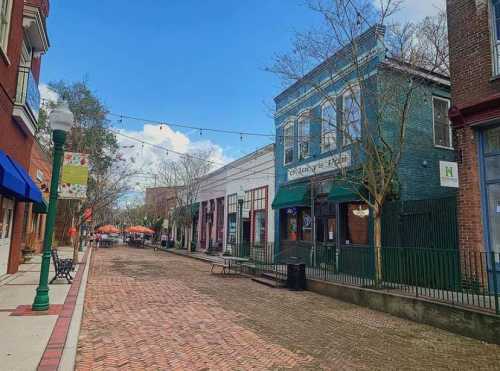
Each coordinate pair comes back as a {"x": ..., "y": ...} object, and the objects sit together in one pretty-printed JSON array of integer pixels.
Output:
[
  {"x": 63, "y": 267},
  {"x": 224, "y": 267}
]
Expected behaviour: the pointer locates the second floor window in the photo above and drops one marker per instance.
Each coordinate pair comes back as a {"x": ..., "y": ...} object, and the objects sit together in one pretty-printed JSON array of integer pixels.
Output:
[
  {"x": 288, "y": 139},
  {"x": 351, "y": 126},
  {"x": 5, "y": 7},
  {"x": 328, "y": 127},
  {"x": 304, "y": 136},
  {"x": 441, "y": 123},
  {"x": 495, "y": 34}
]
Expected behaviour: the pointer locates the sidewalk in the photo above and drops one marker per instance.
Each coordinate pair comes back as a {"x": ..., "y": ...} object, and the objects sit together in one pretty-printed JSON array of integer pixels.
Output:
[{"x": 28, "y": 337}]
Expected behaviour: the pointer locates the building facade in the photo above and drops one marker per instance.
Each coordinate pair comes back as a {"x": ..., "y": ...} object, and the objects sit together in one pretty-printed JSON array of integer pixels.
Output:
[
  {"x": 233, "y": 206},
  {"x": 310, "y": 205},
  {"x": 23, "y": 39},
  {"x": 474, "y": 39}
]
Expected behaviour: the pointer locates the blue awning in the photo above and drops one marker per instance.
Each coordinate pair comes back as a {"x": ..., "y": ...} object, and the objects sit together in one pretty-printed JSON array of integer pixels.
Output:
[
  {"x": 11, "y": 182},
  {"x": 15, "y": 181},
  {"x": 33, "y": 193}
]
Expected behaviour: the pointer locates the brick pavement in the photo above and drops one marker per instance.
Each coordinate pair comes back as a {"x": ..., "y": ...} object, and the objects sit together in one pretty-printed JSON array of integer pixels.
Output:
[{"x": 157, "y": 311}]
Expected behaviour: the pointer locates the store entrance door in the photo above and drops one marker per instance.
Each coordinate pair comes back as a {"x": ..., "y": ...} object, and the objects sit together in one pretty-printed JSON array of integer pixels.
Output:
[{"x": 6, "y": 215}]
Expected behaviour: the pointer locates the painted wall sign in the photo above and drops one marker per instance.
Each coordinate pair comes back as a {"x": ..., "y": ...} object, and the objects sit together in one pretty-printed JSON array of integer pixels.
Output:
[
  {"x": 448, "y": 174},
  {"x": 330, "y": 163}
]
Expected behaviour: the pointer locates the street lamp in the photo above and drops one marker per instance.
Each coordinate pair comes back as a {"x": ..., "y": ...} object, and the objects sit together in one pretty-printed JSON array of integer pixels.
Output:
[
  {"x": 61, "y": 120},
  {"x": 241, "y": 200}
]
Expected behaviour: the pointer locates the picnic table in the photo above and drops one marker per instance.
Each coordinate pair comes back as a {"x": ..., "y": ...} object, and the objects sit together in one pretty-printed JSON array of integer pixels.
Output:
[{"x": 228, "y": 263}]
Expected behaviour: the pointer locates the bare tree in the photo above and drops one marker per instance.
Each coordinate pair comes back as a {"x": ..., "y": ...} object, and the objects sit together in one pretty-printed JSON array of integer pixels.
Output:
[
  {"x": 373, "y": 139},
  {"x": 185, "y": 175}
]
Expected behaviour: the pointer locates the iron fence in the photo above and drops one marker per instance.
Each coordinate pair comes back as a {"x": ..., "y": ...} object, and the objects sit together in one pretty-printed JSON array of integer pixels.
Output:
[{"x": 459, "y": 277}]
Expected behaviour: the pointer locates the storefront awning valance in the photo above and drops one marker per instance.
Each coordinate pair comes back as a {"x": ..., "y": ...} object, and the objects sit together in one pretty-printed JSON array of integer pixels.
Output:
[
  {"x": 183, "y": 210},
  {"x": 41, "y": 207},
  {"x": 292, "y": 195},
  {"x": 10, "y": 180},
  {"x": 15, "y": 181},
  {"x": 344, "y": 192}
]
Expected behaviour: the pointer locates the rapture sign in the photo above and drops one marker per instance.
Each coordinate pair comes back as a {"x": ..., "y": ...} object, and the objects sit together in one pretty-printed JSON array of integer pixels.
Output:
[{"x": 75, "y": 173}]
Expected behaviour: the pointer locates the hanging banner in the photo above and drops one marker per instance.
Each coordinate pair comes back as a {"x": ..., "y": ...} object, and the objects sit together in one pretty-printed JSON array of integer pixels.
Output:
[{"x": 75, "y": 173}]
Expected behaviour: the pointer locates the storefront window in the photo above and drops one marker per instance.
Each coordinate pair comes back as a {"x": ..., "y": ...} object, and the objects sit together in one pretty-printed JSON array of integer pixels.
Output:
[
  {"x": 306, "y": 224},
  {"x": 492, "y": 140},
  {"x": 291, "y": 227},
  {"x": 231, "y": 228},
  {"x": 492, "y": 172},
  {"x": 260, "y": 227}
]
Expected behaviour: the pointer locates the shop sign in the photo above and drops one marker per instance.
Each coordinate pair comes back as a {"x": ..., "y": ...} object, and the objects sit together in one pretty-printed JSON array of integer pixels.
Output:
[
  {"x": 75, "y": 173},
  {"x": 330, "y": 163},
  {"x": 448, "y": 174},
  {"x": 291, "y": 211}
]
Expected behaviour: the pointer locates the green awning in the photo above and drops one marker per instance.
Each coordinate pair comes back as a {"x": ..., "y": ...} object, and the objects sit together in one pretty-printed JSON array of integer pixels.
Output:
[
  {"x": 292, "y": 195},
  {"x": 344, "y": 192},
  {"x": 40, "y": 208}
]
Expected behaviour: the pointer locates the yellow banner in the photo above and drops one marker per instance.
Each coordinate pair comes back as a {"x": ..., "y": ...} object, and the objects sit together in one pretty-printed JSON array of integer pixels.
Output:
[{"x": 75, "y": 173}]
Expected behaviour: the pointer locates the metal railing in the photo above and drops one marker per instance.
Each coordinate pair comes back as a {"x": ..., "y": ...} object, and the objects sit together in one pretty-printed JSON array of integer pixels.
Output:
[{"x": 458, "y": 277}]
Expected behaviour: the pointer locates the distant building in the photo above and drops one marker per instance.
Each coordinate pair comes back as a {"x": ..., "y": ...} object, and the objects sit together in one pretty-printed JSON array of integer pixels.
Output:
[
  {"x": 474, "y": 39},
  {"x": 234, "y": 205},
  {"x": 23, "y": 39},
  {"x": 159, "y": 202}
]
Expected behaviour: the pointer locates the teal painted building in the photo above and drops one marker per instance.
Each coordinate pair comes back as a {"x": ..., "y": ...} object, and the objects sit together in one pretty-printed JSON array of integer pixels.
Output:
[{"x": 316, "y": 122}]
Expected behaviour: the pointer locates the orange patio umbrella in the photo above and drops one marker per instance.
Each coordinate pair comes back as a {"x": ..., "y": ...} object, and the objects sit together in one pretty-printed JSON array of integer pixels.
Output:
[
  {"x": 108, "y": 228},
  {"x": 139, "y": 229}
]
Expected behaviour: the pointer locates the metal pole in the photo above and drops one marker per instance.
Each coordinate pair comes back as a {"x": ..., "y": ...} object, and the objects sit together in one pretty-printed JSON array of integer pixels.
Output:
[
  {"x": 495, "y": 286},
  {"x": 41, "y": 301},
  {"x": 313, "y": 222}
]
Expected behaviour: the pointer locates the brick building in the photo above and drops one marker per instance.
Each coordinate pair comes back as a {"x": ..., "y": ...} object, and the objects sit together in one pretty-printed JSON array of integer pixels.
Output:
[
  {"x": 23, "y": 39},
  {"x": 159, "y": 201},
  {"x": 40, "y": 171},
  {"x": 474, "y": 39}
]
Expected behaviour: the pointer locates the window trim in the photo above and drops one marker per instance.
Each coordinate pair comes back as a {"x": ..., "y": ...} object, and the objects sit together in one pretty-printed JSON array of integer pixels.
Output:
[
  {"x": 495, "y": 41},
  {"x": 289, "y": 123},
  {"x": 348, "y": 91},
  {"x": 321, "y": 139},
  {"x": 303, "y": 117},
  {"x": 4, "y": 43},
  {"x": 450, "y": 130}
]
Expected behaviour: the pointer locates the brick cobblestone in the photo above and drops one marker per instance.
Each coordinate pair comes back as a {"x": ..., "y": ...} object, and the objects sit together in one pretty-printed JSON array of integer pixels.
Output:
[{"x": 157, "y": 311}]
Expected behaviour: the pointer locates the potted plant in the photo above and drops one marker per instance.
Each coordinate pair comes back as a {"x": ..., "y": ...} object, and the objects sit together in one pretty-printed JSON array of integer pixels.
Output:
[{"x": 29, "y": 248}]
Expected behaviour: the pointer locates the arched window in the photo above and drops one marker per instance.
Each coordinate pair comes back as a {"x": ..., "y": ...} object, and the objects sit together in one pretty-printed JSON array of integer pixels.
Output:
[
  {"x": 288, "y": 141},
  {"x": 304, "y": 123},
  {"x": 351, "y": 125},
  {"x": 328, "y": 127}
]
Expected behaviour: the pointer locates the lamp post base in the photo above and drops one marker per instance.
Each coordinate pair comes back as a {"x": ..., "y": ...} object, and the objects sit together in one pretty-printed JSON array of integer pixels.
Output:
[{"x": 41, "y": 300}]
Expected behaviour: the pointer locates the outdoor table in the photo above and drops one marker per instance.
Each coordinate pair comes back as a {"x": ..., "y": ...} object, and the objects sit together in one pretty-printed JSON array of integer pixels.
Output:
[{"x": 235, "y": 261}]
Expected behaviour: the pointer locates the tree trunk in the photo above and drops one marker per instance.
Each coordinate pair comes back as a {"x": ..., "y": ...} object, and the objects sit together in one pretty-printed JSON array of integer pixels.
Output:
[{"x": 377, "y": 241}]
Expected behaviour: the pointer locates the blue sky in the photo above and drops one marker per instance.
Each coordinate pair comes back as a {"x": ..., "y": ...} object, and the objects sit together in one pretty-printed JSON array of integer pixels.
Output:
[{"x": 182, "y": 61}]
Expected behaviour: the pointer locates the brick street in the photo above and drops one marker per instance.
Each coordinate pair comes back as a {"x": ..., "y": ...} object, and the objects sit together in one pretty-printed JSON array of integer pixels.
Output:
[{"x": 158, "y": 311}]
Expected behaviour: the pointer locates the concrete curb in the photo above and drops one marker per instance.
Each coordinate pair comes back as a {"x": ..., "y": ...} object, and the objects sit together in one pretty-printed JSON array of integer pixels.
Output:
[
  {"x": 68, "y": 358},
  {"x": 53, "y": 353}
]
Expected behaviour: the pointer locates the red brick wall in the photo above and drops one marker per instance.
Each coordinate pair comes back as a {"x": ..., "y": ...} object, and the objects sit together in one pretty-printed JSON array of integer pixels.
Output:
[
  {"x": 13, "y": 140},
  {"x": 470, "y": 227},
  {"x": 470, "y": 52}
]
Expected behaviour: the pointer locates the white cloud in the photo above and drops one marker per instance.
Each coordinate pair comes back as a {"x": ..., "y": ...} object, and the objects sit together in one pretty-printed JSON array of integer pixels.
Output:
[
  {"x": 416, "y": 10},
  {"x": 47, "y": 94},
  {"x": 145, "y": 158}
]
